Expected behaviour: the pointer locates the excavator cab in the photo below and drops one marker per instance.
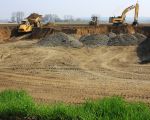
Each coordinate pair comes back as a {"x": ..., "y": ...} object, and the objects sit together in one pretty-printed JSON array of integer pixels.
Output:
[{"x": 116, "y": 20}]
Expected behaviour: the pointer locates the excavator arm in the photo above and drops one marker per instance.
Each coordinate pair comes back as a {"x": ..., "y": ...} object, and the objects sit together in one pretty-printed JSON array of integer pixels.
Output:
[
  {"x": 136, "y": 14},
  {"x": 126, "y": 11}
]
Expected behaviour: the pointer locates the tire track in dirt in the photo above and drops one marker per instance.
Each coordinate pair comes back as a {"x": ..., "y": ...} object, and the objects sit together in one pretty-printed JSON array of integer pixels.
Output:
[
  {"x": 54, "y": 74},
  {"x": 36, "y": 85},
  {"x": 122, "y": 73}
]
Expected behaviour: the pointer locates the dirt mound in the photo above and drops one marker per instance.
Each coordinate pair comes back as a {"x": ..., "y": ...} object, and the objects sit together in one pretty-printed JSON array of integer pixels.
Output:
[
  {"x": 34, "y": 16},
  {"x": 111, "y": 35},
  {"x": 95, "y": 40},
  {"x": 60, "y": 39},
  {"x": 112, "y": 39},
  {"x": 143, "y": 51},
  {"x": 126, "y": 39},
  {"x": 140, "y": 37}
]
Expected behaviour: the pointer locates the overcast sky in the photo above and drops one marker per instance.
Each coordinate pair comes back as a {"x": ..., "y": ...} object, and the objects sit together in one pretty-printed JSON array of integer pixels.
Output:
[{"x": 77, "y": 8}]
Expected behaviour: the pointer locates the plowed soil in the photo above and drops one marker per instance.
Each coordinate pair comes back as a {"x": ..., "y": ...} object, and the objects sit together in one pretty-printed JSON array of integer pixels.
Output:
[{"x": 73, "y": 75}]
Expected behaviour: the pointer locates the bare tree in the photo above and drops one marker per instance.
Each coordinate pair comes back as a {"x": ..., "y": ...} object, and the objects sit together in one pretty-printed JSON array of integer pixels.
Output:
[
  {"x": 13, "y": 17},
  {"x": 56, "y": 18},
  {"x": 20, "y": 16},
  {"x": 51, "y": 18},
  {"x": 47, "y": 18},
  {"x": 68, "y": 18},
  {"x": 17, "y": 16}
]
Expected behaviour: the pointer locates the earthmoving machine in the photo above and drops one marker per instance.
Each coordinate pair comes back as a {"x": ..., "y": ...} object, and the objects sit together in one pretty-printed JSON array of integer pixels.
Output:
[
  {"x": 94, "y": 21},
  {"x": 32, "y": 21},
  {"x": 121, "y": 19}
]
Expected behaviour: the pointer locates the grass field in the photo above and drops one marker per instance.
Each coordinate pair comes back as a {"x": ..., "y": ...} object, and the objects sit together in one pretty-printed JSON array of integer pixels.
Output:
[{"x": 19, "y": 105}]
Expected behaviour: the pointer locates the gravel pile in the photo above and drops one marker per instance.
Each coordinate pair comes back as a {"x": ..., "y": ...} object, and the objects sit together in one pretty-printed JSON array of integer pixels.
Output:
[
  {"x": 111, "y": 35},
  {"x": 140, "y": 37},
  {"x": 111, "y": 39},
  {"x": 60, "y": 39},
  {"x": 126, "y": 39},
  {"x": 94, "y": 40}
]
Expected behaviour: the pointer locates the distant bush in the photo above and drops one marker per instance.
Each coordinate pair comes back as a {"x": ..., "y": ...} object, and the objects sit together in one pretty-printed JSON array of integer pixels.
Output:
[{"x": 18, "y": 105}]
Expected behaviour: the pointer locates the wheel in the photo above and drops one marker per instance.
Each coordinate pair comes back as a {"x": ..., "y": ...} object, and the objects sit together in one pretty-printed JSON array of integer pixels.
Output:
[{"x": 135, "y": 23}]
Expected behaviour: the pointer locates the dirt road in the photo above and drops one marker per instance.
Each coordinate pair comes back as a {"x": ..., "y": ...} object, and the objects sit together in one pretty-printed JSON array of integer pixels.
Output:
[{"x": 73, "y": 75}]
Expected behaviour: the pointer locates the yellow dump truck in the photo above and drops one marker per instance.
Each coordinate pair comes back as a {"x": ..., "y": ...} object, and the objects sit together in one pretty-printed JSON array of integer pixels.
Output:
[{"x": 27, "y": 25}]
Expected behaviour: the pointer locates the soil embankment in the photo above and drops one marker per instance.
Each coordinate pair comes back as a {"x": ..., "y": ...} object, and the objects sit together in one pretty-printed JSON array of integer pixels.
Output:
[{"x": 5, "y": 33}]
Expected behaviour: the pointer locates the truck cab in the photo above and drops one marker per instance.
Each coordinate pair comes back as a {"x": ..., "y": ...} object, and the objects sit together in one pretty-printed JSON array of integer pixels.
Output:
[{"x": 25, "y": 27}]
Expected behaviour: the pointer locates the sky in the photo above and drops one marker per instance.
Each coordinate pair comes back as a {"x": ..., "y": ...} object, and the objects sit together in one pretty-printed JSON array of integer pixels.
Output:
[{"x": 76, "y": 8}]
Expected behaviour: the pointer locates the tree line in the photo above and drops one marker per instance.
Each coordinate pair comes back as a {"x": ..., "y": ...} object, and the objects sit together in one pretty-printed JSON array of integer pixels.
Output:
[{"x": 17, "y": 17}]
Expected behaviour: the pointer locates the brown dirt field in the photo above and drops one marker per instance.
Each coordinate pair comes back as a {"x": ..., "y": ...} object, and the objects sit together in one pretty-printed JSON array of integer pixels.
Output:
[{"x": 73, "y": 75}]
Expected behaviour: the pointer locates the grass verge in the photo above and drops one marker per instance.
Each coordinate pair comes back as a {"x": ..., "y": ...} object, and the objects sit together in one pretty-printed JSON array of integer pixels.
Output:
[{"x": 18, "y": 105}]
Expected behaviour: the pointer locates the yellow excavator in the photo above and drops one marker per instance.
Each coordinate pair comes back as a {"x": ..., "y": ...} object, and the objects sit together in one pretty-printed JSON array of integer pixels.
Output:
[
  {"x": 121, "y": 19},
  {"x": 32, "y": 21}
]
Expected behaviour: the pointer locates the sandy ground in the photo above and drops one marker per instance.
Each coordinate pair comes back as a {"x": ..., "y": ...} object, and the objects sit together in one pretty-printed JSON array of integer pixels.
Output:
[{"x": 73, "y": 75}]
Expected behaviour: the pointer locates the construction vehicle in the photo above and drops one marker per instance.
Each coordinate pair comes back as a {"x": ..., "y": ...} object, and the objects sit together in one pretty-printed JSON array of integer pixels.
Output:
[
  {"x": 32, "y": 21},
  {"x": 121, "y": 19},
  {"x": 94, "y": 21}
]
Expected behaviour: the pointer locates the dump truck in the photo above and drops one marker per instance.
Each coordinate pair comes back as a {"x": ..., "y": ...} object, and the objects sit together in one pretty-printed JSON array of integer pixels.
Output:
[
  {"x": 121, "y": 19},
  {"x": 32, "y": 21}
]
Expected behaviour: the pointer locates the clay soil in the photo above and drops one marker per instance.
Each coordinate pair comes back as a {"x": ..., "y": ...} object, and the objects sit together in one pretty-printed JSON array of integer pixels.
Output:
[
  {"x": 5, "y": 34},
  {"x": 54, "y": 74}
]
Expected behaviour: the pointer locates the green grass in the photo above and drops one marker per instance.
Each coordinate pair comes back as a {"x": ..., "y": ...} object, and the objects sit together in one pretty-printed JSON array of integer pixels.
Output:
[{"x": 18, "y": 104}]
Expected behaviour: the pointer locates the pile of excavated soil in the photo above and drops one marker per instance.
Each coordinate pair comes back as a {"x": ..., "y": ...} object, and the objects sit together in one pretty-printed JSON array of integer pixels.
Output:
[
  {"x": 94, "y": 40},
  {"x": 111, "y": 35},
  {"x": 5, "y": 34},
  {"x": 112, "y": 39},
  {"x": 126, "y": 39},
  {"x": 34, "y": 16},
  {"x": 140, "y": 37},
  {"x": 60, "y": 39}
]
